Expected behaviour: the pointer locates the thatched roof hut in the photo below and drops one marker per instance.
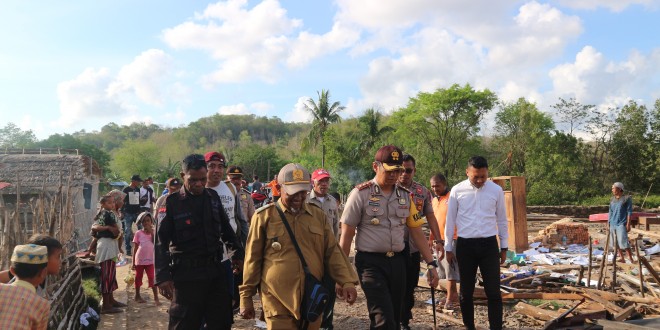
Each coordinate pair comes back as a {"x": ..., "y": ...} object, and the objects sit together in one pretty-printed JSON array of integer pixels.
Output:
[{"x": 48, "y": 193}]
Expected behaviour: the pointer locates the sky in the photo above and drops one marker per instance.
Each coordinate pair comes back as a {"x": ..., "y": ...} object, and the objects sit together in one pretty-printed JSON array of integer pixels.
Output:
[{"x": 78, "y": 65}]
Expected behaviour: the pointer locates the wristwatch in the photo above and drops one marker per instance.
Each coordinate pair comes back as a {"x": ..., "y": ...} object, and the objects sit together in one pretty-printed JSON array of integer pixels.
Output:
[
  {"x": 504, "y": 249},
  {"x": 438, "y": 241},
  {"x": 431, "y": 265}
]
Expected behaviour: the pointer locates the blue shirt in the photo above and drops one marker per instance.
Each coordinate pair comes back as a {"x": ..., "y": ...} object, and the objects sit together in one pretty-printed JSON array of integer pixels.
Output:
[{"x": 620, "y": 209}]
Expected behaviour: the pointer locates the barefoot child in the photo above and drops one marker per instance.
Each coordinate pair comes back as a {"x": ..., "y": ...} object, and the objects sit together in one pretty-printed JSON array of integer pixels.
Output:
[
  {"x": 143, "y": 262},
  {"x": 107, "y": 250}
]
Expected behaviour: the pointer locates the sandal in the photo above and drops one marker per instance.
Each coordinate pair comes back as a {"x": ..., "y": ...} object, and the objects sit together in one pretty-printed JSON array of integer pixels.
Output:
[{"x": 452, "y": 305}]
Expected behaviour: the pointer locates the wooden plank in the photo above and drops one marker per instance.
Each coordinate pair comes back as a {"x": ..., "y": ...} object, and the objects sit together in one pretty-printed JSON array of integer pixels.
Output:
[
  {"x": 646, "y": 233},
  {"x": 612, "y": 308},
  {"x": 654, "y": 274},
  {"x": 544, "y": 296},
  {"x": 607, "y": 324},
  {"x": 529, "y": 279},
  {"x": 536, "y": 312},
  {"x": 635, "y": 281},
  {"x": 628, "y": 289},
  {"x": 624, "y": 314}
]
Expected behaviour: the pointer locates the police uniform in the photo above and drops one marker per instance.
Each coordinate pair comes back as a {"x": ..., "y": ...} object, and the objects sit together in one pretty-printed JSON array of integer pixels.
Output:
[
  {"x": 421, "y": 198},
  {"x": 329, "y": 207},
  {"x": 192, "y": 241},
  {"x": 380, "y": 222},
  {"x": 272, "y": 263},
  {"x": 247, "y": 204}
]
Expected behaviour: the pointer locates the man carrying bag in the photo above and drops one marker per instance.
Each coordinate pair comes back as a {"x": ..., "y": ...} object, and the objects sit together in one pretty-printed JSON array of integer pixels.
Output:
[{"x": 283, "y": 261}]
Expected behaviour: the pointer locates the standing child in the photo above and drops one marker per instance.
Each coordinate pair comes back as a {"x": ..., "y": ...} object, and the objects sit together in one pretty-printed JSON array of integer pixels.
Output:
[
  {"x": 143, "y": 262},
  {"x": 107, "y": 250}
]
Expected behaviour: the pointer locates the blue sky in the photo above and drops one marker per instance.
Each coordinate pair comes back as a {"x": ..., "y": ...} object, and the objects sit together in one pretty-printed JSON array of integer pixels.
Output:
[{"x": 80, "y": 64}]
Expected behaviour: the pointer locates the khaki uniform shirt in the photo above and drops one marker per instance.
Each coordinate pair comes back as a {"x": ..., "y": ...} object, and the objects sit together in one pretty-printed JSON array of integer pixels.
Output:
[
  {"x": 247, "y": 204},
  {"x": 271, "y": 261},
  {"x": 380, "y": 220},
  {"x": 329, "y": 206}
]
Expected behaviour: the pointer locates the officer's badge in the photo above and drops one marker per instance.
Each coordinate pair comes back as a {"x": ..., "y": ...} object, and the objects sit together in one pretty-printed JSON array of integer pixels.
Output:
[
  {"x": 395, "y": 155},
  {"x": 298, "y": 175},
  {"x": 402, "y": 201},
  {"x": 375, "y": 221},
  {"x": 374, "y": 199},
  {"x": 276, "y": 246},
  {"x": 243, "y": 196}
]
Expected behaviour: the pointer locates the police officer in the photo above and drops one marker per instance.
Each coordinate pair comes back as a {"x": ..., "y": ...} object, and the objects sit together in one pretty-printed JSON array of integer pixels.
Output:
[
  {"x": 320, "y": 197},
  {"x": 272, "y": 263},
  {"x": 193, "y": 239},
  {"x": 379, "y": 210},
  {"x": 235, "y": 176},
  {"x": 421, "y": 197}
]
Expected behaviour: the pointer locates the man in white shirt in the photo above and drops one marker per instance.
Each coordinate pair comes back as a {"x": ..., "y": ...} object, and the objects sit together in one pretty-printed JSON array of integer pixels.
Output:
[{"x": 476, "y": 209}]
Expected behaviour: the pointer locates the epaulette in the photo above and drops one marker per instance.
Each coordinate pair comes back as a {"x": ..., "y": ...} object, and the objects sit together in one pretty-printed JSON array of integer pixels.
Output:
[
  {"x": 364, "y": 185},
  {"x": 314, "y": 204},
  {"x": 403, "y": 188},
  {"x": 263, "y": 207}
]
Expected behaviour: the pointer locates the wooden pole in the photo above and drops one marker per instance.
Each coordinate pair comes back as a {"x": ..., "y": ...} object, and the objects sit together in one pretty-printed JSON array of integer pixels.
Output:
[
  {"x": 639, "y": 263},
  {"x": 603, "y": 262},
  {"x": 616, "y": 250},
  {"x": 591, "y": 251}
]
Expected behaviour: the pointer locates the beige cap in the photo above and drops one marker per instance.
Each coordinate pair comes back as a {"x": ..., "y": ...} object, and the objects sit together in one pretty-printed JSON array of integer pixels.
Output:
[
  {"x": 294, "y": 178},
  {"x": 30, "y": 254}
]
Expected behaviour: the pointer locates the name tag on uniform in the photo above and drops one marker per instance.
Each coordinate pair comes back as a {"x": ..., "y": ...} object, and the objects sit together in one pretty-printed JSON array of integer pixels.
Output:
[{"x": 374, "y": 203}]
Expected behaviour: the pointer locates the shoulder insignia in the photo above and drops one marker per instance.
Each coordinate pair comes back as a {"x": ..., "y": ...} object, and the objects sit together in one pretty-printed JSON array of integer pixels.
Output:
[
  {"x": 264, "y": 207},
  {"x": 403, "y": 188},
  {"x": 364, "y": 185}
]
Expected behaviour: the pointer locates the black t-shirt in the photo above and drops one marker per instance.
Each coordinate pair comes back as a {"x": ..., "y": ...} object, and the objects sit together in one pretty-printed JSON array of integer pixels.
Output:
[
  {"x": 108, "y": 220},
  {"x": 132, "y": 194}
]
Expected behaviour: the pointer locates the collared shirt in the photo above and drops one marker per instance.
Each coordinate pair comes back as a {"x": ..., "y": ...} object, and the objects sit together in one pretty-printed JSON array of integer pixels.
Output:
[
  {"x": 476, "y": 212},
  {"x": 21, "y": 308},
  {"x": 272, "y": 263},
  {"x": 379, "y": 219},
  {"x": 247, "y": 204},
  {"x": 329, "y": 205}
]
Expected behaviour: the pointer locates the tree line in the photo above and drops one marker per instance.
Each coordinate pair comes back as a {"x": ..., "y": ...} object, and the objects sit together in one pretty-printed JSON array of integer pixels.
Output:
[{"x": 567, "y": 158}]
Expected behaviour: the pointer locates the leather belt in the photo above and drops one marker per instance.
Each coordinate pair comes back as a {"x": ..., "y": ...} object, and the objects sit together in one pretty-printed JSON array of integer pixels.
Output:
[{"x": 388, "y": 254}]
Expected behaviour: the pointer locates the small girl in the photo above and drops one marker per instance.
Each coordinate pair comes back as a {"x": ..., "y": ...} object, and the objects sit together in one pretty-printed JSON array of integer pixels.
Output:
[
  {"x": 106, "y": 229},
  {"x": 143, "y": 261}
]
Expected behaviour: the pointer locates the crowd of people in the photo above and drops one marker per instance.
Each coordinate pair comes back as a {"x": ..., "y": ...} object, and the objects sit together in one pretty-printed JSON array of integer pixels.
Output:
[{"x": 204, "y": 247}]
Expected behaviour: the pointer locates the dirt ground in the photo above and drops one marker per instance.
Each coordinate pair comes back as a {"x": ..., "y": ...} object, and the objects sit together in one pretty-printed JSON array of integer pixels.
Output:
[{"x": 148, "y": 316}]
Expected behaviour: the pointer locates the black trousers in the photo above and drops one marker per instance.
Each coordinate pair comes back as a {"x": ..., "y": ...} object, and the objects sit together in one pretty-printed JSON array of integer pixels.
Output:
[
  {"x": 383, "y": 281},
  {"x": 412, "y": 279},
  {"x": 482, "y": 253},
  {"x": 201, "y": 301}
]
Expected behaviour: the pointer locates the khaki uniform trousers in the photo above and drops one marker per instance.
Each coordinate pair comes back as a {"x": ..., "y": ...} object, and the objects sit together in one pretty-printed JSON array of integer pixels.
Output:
[{"x": 288, "y": 322}]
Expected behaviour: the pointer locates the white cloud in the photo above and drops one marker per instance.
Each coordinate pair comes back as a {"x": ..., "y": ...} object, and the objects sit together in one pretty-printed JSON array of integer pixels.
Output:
[
  {"x": 613, "y": 5},
  {"x": 592, "y": 79},
  {"x": 254, "y": 43},
  {"x": 257, "y": 108},
  {"x": 144, "y": 76},
  {"x": 100, "y": 94},
  {"x": 298, "y": 114}
]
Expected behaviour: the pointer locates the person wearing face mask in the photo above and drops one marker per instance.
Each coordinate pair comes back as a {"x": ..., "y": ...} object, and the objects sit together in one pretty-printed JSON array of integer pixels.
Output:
[
  {"x": 272, "y": 263},
  {"x": 477, "y": 212}
]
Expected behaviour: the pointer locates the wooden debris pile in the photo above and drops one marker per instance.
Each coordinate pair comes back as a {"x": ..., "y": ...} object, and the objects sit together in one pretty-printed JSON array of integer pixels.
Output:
[{"x": 618, "y": 291}]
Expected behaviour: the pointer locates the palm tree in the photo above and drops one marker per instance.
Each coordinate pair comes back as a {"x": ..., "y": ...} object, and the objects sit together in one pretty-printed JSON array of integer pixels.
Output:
[
  {"x": 371, "y": 133},
  {"x": 324, "y": 114}
]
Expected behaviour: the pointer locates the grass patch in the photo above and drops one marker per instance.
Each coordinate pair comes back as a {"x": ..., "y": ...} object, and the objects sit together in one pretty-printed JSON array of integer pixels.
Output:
[
  {"x": 553, "y": 304},
  {"x": 90, "y": 284}
]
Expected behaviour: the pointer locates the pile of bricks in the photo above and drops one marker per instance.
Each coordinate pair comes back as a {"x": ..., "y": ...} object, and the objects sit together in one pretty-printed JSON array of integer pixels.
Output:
[{"x": 575, "y": 233}]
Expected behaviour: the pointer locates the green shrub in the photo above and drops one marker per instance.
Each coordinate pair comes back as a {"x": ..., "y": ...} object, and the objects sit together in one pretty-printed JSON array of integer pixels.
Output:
[{"x": 652, "y": 201}]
